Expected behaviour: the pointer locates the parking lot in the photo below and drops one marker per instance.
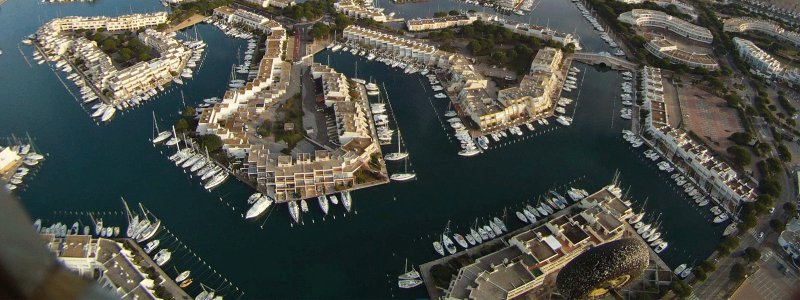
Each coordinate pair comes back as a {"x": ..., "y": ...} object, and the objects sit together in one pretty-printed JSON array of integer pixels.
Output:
[{"x": 773, "y": 280}]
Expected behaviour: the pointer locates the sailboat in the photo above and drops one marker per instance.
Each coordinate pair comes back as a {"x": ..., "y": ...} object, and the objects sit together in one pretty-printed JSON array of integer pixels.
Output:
[
  {"x": 323, "y": 203},
  {"x": 356, "y": 79},
  {"x": 405, "y": 176},
  {"x": 161, "y": 136},
  {"x": 347, "y": 201},
  {"x": 151, "y": 229},
  {"x": 294, "y": 211},
  {"x": 395, "y": 156},
  {"x": 133, "y": 220},
  {"x": 448, "y": 243},
  {"x": 412, "y": 274}
]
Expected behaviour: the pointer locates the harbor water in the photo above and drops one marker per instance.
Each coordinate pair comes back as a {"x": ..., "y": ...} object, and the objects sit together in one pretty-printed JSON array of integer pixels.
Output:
[{"x": 358, "y": 255}]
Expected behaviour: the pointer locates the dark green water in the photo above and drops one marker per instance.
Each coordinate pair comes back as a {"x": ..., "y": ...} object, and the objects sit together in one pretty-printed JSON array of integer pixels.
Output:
[{"x": 356, "y": 255}]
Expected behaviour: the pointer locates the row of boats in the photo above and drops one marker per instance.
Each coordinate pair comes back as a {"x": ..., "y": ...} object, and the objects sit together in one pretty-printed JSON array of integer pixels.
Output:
[
  {"x": 477, "y": 235},
  {"x": 695, "y": 193},
  {"x": 200, "y": 164},
  {"x": 29, "y": 160},
  {"x": 649, "y": 232},
  {"x": 599, "y": 28},
  {"x": 260, "y": 202},
  {"x": 61, "y": 230},
  {"x": 374, "y": 54},
  {"x": 550, "y": 205},
  {"x": 106, "y": 111}
]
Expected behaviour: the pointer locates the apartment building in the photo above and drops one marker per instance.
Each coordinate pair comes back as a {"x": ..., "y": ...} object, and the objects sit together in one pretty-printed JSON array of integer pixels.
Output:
[
  {"x": 243, "y": 17},
  {"x": 768, "y": 27},
  {"x": 657, "y": 19},
  {"x": 228, "y": 118},
  {"x": 112, "y": 265},
  {"x": 362, "y": 10},
  {"x": 666, "y": 49},
  {"x": 421, "y": 24},
  {"x": 694, "y": 159},
  {"x": 535, "y": 256}
]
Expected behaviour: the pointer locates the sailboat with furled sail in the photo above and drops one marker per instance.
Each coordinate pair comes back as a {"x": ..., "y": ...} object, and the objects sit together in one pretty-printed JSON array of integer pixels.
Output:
[
  {"x": 395, "y": 156},
  {"x": 133, "y": 220},
  {"x": 159, "y": 136},
  {"x": 405, "y": 176}
]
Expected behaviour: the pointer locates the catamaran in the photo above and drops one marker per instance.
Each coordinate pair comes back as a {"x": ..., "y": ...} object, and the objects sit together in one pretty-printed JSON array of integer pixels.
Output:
[{"x": 259, "y": 207}]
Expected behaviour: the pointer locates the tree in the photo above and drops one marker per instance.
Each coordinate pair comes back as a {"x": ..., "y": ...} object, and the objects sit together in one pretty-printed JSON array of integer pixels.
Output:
[
  {"x": 498, "y": 56},
  {"x": 181, "y": 125},
  {"x": 790, "y": 208},
  {"x": 784, "y": 153},
  {"x": 439, "y": 14},
  {"x": 752, "y": 254},
  {"x": 110, "y": 44},
  {"x": 741, "y": 157},
  {"x": 212, "y": 142},
  {"x": 342, "y": 21},
  {"x": 681, "y": 288},
  {"x": 777, "y": 225},
  {"x": 708, "y": 266},
  {"x": 144, "y": 57},
  {"x": 700, "y": 274},
  {"x": 125, "y": 54},
  {"x": 453, "y": 13},
  {"x": 741, "y": 138},
  {"x": 738, "y": 272},
  {"x": 188, "y": 112},
  {"x": 770, "y": 186},
  {"x": 320, "y": 30}
]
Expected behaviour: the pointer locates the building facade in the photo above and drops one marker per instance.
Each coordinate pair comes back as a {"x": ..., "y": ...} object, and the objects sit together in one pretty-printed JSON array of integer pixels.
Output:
[{"x": 653, "y": 18}]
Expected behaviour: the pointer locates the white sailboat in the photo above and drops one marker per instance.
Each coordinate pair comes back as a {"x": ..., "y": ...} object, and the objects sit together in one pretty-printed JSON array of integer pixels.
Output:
[
  {"x": 294, "y": 211},
  {"x": 395, "y": 156},
  {"x": 161, "y": 136},
  {"x": 323, "y": 203},
  {"x": 347, "y": 201},
  {"x": 405, "y": 176},
  {"x": 412, "y": 274}
]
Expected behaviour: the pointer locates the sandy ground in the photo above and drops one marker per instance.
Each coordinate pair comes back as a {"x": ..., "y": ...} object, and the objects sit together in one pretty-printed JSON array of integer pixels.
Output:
[{"x": 708, "y": 116}]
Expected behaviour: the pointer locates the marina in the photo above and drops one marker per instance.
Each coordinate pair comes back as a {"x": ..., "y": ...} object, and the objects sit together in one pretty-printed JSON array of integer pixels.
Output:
[{"x": 402, "y": 219}]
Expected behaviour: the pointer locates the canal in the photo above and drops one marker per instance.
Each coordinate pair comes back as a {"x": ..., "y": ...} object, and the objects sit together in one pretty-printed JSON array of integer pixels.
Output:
[{"x": 90, "y": 167}]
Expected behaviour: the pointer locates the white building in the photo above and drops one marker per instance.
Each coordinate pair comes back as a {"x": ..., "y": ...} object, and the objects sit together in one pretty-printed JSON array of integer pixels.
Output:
[
  {"x": 768, "y": 27},
  {"x": 353, "y": 9},
  {"x": 694, "y": 159},
  {"x": 652, "y": 18}
]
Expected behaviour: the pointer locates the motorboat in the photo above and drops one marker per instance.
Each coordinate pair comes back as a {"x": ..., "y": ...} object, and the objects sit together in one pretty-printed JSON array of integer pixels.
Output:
[
  {"x": 258, "y": 207},
  {"x": 347, "y": 201},
  {"x": 216, "y": 181},
  {"x": 438, "y": 247},
  {"x": 448, "y": 244},
  {"x": 522, "y": 217},
  {"x": 461, "y": 240},
  {"x": 151, "y": 245},
  {"x": 183, "y": 276}
]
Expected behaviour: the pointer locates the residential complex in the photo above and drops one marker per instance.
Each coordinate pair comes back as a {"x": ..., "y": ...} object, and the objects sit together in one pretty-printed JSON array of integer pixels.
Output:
[
  {"x": 768, "y": 27},
  {"x": 363, "y": 10},
  {"x": 243, "y": 17},
  {"x": 764, "y": 64},
  {"x": 525, "y": 29},
  {"x": 440, "y": 23},
  {"x": 56, "y": 39},
  {"x": 666, "y": 49},
  {"x": 653, "y": 18},
  {"x": 535, "y": 256},
  {"x": 227, "y": 119},
  {"x": 468, "y": 87},
  {"x": 691, "y": 157},
  {"x": 681, "y": 5},
  {"x": 326, "y": 171},
  {"x": 114, "y": 265}
]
